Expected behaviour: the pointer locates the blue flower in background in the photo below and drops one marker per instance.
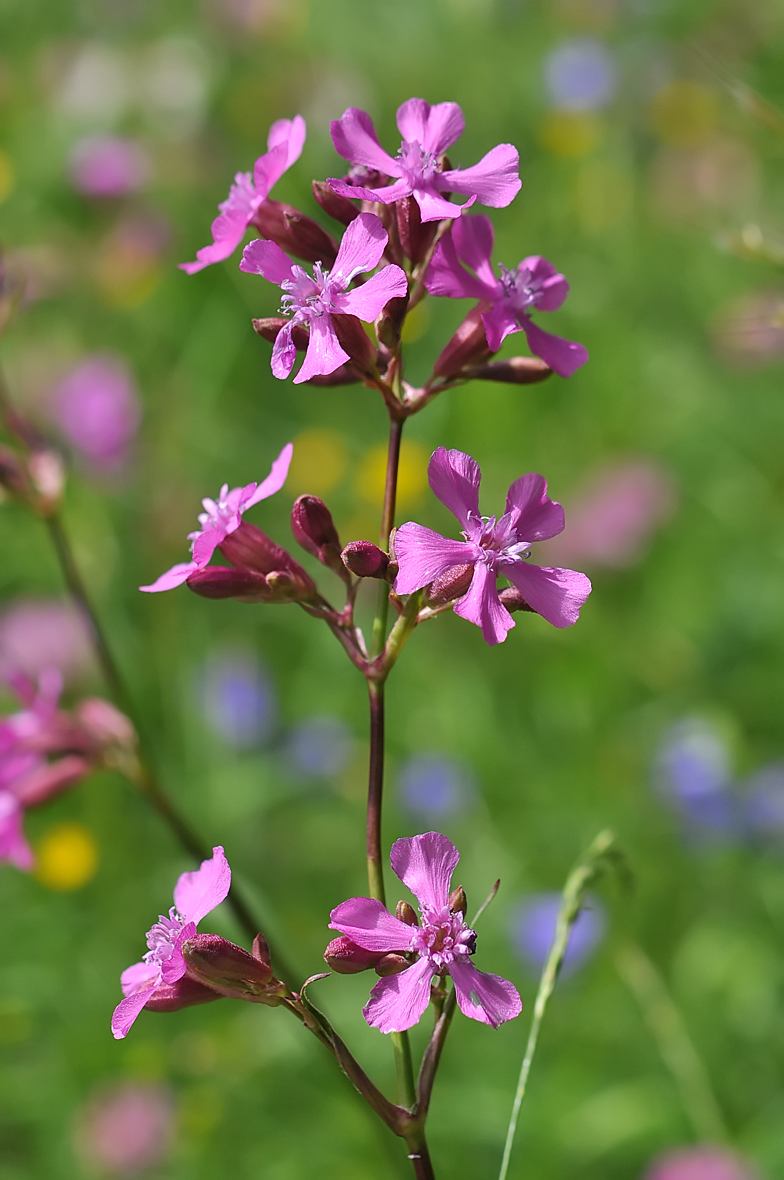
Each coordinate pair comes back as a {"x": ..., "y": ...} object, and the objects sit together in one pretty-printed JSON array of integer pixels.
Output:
[
  {"x": 240, "y": 705},
  {"x": 320, "y": 747},
  {"x": 763, "y": 803},
  {"x": 435, "y": 786},
  {"x": 532, "y": 929},
  {"x": 580, "y": 75},
  {"x": 693, "y": 774}
]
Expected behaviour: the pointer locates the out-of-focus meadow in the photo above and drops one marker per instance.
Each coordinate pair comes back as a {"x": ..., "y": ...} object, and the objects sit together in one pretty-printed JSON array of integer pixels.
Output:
[{"x": 651, "y": 149}]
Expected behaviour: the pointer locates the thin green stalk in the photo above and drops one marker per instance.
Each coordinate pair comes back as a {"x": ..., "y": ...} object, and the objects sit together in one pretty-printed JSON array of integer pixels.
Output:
[
  {"x": 379, "y": 633},
  {"x": 581, "y": 876}
]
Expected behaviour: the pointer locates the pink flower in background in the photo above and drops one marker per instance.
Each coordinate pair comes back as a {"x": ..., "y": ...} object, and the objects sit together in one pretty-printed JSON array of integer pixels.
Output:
[
  {"x": 38, "y": 634},
  {"x": 701, "y": 1163},
  {"x": 617, "y": 514},
  {"x": 492, "y": 547},
  {"x": 97, "y": 409},
  {"x": 284, "y": 146},
  {"x": 107, "y": 166},
  {"x": 311, "y": 301},
  {"x": 427, "y": 132},
  {"x": 442, "y": 945},
  {"x": 221, "y": 518},
  {"x": 507, "y": 301},
  {"x": 196, "y": 894},
  {"x": 128, "y": 1129}
]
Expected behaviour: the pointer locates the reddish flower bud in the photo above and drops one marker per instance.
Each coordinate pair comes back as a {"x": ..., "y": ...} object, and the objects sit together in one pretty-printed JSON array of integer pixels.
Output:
[
  {"x": 513, "y": 600},
  {"x": 230, "y": 970},
  {"x": 294, "y": 232},
  {"x": 391, "y": 965},
  {"x": 170, "y": 997},
  {"x": 468, "y": 346},
  {"x": 250, "y": 549},
  {"x": 365, "y": 559},
  {"x": 452, "y": 584},
  {"x": 415, "y": 238},
  {"x": 337, "y": 207},
  {"x": 47, "y": 780},
  {"x": 47, "y": 473},
  {"x": 517, "y": 370},
  {"x": 355, "y": 340},
  {"x": 344, "y": 375},
  {"x": 390, "y": 321},
  {"x": 314, "y": 529},
  {"x": 260, "y": 949},
  {"x": 220, "y": 581},
  {"x": 406, "y": 913},
  {"x": 457, "y": 901},
  {"x": 345, "y": 957},
  {"x": 268, "y": 328},
  {"x": 105, "y": 725}
]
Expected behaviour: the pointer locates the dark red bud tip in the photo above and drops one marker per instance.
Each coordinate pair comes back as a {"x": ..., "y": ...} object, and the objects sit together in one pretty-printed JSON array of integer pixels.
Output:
[
  {"x": 260, "y": 949},
  {"x": 230, "y": 970},
  {"x": 390, "y": 321},
  {"x": 415, "y": 238},
  {"x": 365, "y": 560},
  {"x": 268, "y": 329},
  {"x": 345, "y": 957},
  {"x": 170, "y": 997},
  {"x": 513, "y": 600},
  {"x": 467, "y": 347},
  {"x": 314, "y": 529},
  {"x": 219, "y": 581},
  {"x": 343, "y": 375},
  {"x": 452, "y": 584},
  {"x": 335, "y": 206},
  {"x": 355, "y": 340},
  {"x": 517, "y": 370},
  {"x": 391, "y": 965},
  {"x": 457, "y": 901},
  {"x": 406, "y": 913},
  {"x": 294, "y": 232}
]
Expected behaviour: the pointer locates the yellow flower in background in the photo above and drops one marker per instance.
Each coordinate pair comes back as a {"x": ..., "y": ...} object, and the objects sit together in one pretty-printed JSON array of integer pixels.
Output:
[
  {"x": 684, "y": 113},
  {"x": 412, "y": 474},
  {"x": 318, "y": 463},
  {"x": 570, "y": 133},
  {"x": 6, "y": 176},
  {"x": 66, "y": 857}
]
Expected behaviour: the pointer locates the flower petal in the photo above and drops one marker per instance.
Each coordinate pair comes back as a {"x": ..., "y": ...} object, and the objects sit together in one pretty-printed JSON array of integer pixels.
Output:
[
  {"x": 387, "y": 194},
  {"x": 500, "y": 321},
  {"x": 534, "y": 516},
  {"x": 261, "y": 257},
  {"x": 207, "y": 542},
  {"x": 228, "y": 228},
  {"x": 455, "y": 477},
  {"x": 284, "y": 352},
  {"x": 445, "y": 276},
  {"x": 370, "y": 925},
  {"x": 173, "y": 577},
  {"x": 199, "y": 892},
  {"x": 399, "y": 1001},
  {"x": 371, "y": 298},
  {"x": 485, "y": 997},
  {"x": 355, "y": 139},
  {"x": 555, "y": 594},
  {"x": 554, "y": 285},
  {"x": 473, "y": 237},
  {"x": 139, "y": 977},
  {"x": 432, "y": 206},
  {"x": 13, "y": 844},
  {"x": 284, "y": 146},
  {"x": 495, "y": 180},
  {"x": 425, "y": 864},
  {"x": 274, "y": 481},
  {"x": 324, "y": 353},
  {"x": 175, "y": 966},
  {"x": 435, "y": 128},
  {"x": 361, "y": 248},
  {"x": 423, "y": 554},
  {"x": 127, "y": 1010},
  {"x": 482, "y": 606},
  {"x": 563, "y": 356}
]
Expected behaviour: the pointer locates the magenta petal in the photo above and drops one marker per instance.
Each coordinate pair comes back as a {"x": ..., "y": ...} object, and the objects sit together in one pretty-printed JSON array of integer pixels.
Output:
[
  {"x": 199, "y": 892},
  {"x": 173, "y": 577},
  {"x": 371, "y": 298},
  {"x": 399, "y": 1001},
  {"x": 228, "y": 228},
  {"x": 494, "y": 180},
  {"x": 386, "y": 195},
  {"x": 324, "y": 353},
  {"x": 423, "y": 554},
  {"x": 433, "y": 207},
  {"x": 261, "y": 257},
  {"x": 127, "y": 1010},
  {"x": 139, "y": 977},
  {"x": 13, "y": 845},
  {"x": 482, "y": 606},
  {"x": 425, "y": 865},
  {"x": 175, "y": 966},
  {"x": 276, "y": 478},
  {"x": 435, "y": 128},
  {"x": 455, "y": 477},
  {"x": 555, "y": 594},
  {"x": 563, "y": 356},
  {"x": 290, "y": 132},
  {"x": 534, "y": 516},
  {"x": 361, "y": 248},
  {"x": 488, "y": 998},
  {"x": 370, "y": 925},
  {"x": 473, "y": 237},
  {"x": 354, "y": 137},
  {"x": 207, "y": 542},
  {"x": 446, "y": 277},
  {"x": 284, "y": 352},
  {"x": 554, "y": 286},
  {"x": 500, "y": 321}
]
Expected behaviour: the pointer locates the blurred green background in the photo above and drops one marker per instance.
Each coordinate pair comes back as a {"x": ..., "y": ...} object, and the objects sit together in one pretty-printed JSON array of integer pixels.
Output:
[{"x": 660, "y": 197}]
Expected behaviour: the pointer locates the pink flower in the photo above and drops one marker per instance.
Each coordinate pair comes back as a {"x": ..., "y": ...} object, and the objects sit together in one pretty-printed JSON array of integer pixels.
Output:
[
  {"x": 312, "y": 301},
  {"x": 507, "y": 302},
  {"x": 97, "y": 409},
  {"x": 491, "y": 547},
  {"x": 427, "y": 132},
  {"x": 107, "y": 166},
  {"x": 221, "y": 518},
  {"x": 37, "y": 634},
  {"x": 284, "y": 147},
  {"x": 700, "y": 1163},
  {"x": 196, "y": 894},
  {"x": 442, "y": 945},
  {"x": 128, "y": 1129}
]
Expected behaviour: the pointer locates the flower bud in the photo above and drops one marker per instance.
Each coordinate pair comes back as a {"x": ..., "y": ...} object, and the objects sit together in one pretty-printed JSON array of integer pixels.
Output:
[
  {"x": 230, "y": 970},
  {"x": 415, "y": 237},
  {"x": 337, "y": 207},
  {"x": 452, "y": 584},
  {"x": 517, "y": 370},
  {"x": 390, "y": 321},
  {"x": 294, "y": 232},
  {"x": 50, "y": 778},
  {"x": 406, "y": 913},
  {"x": 220, "y": 581},
  {"x": 104, "y": 724},
  {"x": 170, "y": 997},
  {"x": 513, "y": 600},
  {"x": 468, "y": 346},
  {"x": 391, "y": 965},
  {"x": 344, "y": 375},
  {"x": 457, "y": 901},
  {"x": 252, "y": 550},
  {"x": 365, "y": 559},
  {"x": 260, "y": 949},
  {"x": 314, "y": 529},
  {"x": 345, "y": 957},
  {"x": 269, "y": 327},
  {"x": 355, "y": 340},
  {"x": 47, "y": 472}
]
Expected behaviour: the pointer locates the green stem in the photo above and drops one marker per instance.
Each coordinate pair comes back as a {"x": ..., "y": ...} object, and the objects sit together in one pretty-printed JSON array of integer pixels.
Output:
[
  {"x": 375, "y": 863},
  {"x": 379, "y": 634}
]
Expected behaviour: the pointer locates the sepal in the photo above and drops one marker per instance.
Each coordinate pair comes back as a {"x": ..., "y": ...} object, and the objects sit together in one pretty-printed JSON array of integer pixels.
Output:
[
  {"x": 231, "y": 971},
  {"x": 346, "y": 958},
  {"x": 467, "y": 347},
  {"x": 516, "y": 370},
  {"x": 295, "y": 233},
  {"x": 337, "y": 207}
]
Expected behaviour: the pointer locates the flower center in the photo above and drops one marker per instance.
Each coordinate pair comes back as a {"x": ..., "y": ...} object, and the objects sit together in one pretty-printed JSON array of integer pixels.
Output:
[
  {"x": 161, "y": 938},
  {"x": 443, "y": 938},
  {"x": 309, "y": 298},
  {"x": 418, "y": 164},
  {"x": 519, "y": 286},
  {"x": 496, "y": 539}
]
